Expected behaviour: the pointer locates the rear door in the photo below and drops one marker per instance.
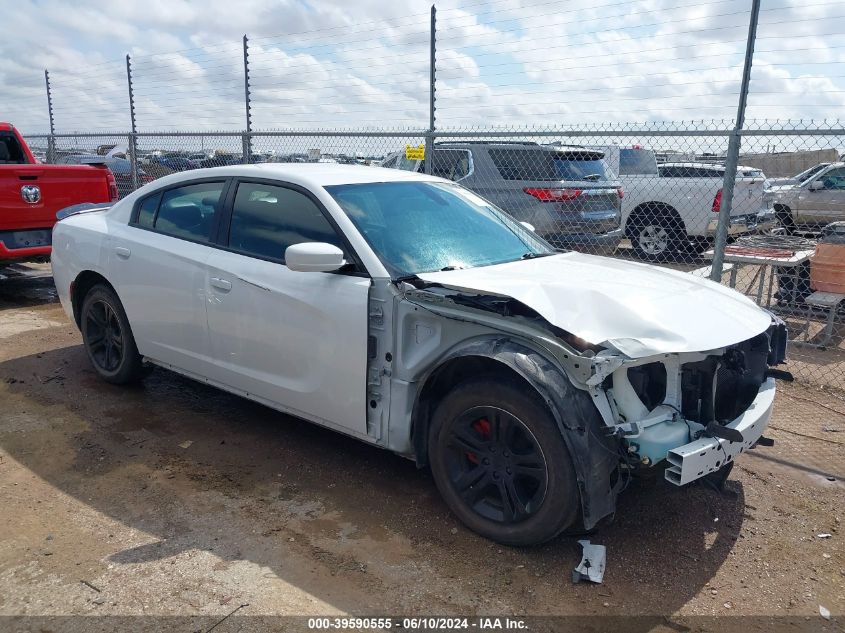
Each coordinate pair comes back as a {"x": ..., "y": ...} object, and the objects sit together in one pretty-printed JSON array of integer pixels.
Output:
[
  {"x": 158, "y": 264},
  {"x": 297, "y": 340}
]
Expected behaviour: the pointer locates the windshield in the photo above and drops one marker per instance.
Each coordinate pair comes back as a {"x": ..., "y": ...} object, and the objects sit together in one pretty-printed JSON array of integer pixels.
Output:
[
  {"x": 810, "y": 173},
  {"x": 417, "y": 227}
]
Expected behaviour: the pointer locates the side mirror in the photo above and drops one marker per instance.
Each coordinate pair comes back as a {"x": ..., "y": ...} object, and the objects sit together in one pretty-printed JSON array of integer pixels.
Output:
[
  {"x": 529, "y": 226},
  {"x": 314, "y": 257},
  {"x": 816, "y": 185}
]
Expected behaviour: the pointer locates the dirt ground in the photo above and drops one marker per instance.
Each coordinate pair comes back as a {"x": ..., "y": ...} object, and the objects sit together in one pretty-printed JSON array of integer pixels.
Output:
[{"x": 174, "y": 498}]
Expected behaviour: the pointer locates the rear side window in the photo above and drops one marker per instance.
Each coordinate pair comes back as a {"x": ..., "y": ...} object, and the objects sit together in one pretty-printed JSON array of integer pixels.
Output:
[
  {"x": 188, "y": 212},
  {"x": 10, "y": 150},
  {"x": 685, "y": 171},
  {"x": 525, "y": 164},
  {"x": 453, "y": 164},
  {"x": 637, "y": 162},
  {"x": 147, "y": 211},
  {"x": 267, "y": 219}
]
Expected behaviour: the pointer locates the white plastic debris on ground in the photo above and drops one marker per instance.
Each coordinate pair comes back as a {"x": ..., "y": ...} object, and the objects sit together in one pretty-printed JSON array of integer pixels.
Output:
[{"x": 592, "y": 563}]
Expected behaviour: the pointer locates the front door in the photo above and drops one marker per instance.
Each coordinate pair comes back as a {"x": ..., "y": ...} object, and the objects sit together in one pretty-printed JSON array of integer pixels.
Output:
[
  {"x": 822, "y": 206},
  {"x": 297, "y": 340}
]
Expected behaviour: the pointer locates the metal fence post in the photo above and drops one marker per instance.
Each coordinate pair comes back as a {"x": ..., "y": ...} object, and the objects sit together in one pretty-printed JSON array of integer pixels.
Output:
[
  {"x": 432, "y": 86},
  {"x": 247, "y": 138},
  {"x": 732, "y": 159},
  {"x": 133, "y": 139},
  {"x": 51, "y": 140}
]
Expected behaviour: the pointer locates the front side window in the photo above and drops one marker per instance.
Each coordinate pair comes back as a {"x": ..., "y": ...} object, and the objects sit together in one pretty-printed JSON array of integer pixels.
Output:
[
  {"x": 417, "y": 227},
  {"x": 266, "y": 219},
  {"x": 188, "y": 211},
  {"x": 834, "y": 179}
]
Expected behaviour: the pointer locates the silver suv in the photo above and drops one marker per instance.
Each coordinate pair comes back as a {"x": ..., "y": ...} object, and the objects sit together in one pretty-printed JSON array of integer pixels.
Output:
[{"x": 567, "y": 194}]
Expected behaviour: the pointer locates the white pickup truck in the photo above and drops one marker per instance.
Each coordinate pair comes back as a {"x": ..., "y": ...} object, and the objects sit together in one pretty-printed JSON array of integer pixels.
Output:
[{"x": 673, "y": 207}]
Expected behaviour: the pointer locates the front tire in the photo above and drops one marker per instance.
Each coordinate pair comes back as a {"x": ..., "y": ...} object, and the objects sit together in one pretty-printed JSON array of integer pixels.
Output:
[
  {"x": 501, "y": 464},
  {"x": 108, "y": 338}
]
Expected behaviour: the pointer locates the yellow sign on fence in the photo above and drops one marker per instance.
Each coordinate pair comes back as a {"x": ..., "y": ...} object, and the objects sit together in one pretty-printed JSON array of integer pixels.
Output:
[{"x": 415, "y": 153}]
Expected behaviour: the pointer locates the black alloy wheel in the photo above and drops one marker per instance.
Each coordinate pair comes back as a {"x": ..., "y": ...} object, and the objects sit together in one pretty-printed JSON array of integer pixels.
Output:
[{"x": 496, "y": 465}]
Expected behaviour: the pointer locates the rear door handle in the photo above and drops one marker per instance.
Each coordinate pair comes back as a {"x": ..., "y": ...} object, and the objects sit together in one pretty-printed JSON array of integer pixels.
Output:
[
  {"x": 122, "y": 251},
  {"x": 221, "y": 284}
]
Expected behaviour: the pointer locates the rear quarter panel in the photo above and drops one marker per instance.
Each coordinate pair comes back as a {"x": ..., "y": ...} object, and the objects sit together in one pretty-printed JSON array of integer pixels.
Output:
[{"x": 79, "y": 244}]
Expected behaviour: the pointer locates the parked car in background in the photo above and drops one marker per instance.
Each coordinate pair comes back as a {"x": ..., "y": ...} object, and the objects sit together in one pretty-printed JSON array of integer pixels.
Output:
[
  {"x": 797, "y": 178},
  {"x": 120, "y": 167},
  {"x": 406, "y": 311},
  {"x": 676, "y": 210},
  {"x": 814, "y": 202},
  {"x": 567, "y": 194},
  {"x": 31, "y": 193},
  {"x": 176, "y": 163}
]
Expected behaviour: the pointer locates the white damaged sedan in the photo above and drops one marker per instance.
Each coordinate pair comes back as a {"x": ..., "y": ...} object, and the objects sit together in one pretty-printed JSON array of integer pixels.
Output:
[{"x": 408, "y": 312}]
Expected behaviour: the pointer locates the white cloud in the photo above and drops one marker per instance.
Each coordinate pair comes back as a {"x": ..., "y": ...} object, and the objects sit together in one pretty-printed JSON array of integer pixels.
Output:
[{"x": 365, "y": 64}]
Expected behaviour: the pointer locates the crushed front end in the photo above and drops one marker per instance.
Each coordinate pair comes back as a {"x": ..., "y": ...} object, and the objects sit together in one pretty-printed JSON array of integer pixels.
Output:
[{"x": 692, "y": 412}]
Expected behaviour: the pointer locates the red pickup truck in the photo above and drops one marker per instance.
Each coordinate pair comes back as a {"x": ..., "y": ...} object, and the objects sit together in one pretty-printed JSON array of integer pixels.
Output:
[{"x": 31, "y": 193}]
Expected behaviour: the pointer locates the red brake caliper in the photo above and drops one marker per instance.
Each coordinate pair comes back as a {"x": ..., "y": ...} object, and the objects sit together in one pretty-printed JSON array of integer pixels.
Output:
[{"x": 482, "y": 427}]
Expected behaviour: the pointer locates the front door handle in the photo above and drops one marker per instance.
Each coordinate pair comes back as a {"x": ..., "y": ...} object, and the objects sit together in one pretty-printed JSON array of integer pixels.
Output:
[
  {"x": 122, "y": 252},
  {"x": 221, "y": 284}
]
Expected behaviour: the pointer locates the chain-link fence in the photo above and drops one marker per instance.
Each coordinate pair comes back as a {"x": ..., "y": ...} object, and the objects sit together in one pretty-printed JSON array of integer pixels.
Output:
[
  {"x": 648, "y": 194},
  {"x": 472, "y": 91}
]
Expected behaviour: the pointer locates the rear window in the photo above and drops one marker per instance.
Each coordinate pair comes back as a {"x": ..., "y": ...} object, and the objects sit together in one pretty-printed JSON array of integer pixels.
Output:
[
  {"x": 580, "y": 166},
  {"x": 634, "y": 162},
  {"x": 525, "y": 164},
  {"x": 10, "y": 150}
]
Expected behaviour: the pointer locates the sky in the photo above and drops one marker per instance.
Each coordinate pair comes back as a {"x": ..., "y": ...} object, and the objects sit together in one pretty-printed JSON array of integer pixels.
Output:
[{"x": 327, "y": 64}]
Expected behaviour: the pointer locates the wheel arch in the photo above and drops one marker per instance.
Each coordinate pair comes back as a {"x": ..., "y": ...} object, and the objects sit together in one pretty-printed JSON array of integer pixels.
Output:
[
  {"x": 594, "y": 456},
  {"x": 655, "y": 209},
  {"x": 80, "y": 287}
]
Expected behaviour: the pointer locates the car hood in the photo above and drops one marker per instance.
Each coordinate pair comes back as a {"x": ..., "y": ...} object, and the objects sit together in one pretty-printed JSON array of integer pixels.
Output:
[{"x": 638, "y": 309}]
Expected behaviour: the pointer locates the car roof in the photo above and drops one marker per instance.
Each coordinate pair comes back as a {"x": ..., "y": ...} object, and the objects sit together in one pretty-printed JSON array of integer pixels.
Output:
[
  {"x": 308, "y": 174},
  {"x": 704, "y": 166}
]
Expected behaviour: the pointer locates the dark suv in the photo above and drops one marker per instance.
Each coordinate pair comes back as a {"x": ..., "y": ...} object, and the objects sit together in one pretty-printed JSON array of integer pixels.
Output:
[{"x": 568, "y": 194}]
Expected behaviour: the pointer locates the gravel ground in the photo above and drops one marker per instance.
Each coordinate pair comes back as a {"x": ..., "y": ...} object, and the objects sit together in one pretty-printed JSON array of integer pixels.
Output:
[{"x": 173, "y": 498}]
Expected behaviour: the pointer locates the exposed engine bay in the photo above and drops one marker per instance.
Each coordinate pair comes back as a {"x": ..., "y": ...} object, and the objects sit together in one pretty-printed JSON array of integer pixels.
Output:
[{"x": 658, "y": 406}]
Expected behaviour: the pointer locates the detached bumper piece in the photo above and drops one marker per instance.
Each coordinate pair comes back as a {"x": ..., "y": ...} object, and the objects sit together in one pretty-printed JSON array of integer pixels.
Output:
[{"x": 706, "y": 455}]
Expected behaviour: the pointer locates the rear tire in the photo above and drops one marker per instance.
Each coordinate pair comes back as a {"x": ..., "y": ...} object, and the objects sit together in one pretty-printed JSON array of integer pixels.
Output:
[
  {"x": 108, "y": 338},
  {"x": 656, "y": 238},
  {"x": 501, "y": 464}
]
